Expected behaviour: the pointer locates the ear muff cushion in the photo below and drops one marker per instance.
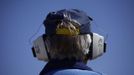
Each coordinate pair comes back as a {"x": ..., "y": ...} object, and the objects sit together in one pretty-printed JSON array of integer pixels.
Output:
[
  {"x": 89, "y": 55},
  {"x": 44, "y": 39}
]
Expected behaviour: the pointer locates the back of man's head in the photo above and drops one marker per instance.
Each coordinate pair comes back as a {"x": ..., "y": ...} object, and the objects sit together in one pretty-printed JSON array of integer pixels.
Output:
[{"x": 67, "y": 34}]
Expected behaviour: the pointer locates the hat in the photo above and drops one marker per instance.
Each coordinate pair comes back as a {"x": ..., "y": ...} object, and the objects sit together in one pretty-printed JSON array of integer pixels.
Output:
[{"x": 73, "y": 15}]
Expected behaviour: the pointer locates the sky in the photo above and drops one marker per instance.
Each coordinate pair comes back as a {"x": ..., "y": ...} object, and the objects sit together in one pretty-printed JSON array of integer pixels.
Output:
[{"x": 21, "y": 23}]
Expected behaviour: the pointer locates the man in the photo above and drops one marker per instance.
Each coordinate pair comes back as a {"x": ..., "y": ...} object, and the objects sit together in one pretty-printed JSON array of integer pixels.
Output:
[{"x": 68, "y": 38}]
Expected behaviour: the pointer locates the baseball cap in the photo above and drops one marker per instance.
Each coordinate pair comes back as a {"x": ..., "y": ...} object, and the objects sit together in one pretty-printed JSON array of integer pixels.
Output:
[{"x": 78, "y": 18}]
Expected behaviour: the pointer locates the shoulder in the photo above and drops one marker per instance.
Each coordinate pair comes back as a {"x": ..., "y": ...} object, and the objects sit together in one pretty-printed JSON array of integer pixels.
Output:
[{"x": 76, "y": 72}]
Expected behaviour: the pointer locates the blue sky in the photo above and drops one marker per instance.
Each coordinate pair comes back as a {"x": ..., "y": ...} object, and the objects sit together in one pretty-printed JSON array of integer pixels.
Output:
[{"x": 21, "y": 19}]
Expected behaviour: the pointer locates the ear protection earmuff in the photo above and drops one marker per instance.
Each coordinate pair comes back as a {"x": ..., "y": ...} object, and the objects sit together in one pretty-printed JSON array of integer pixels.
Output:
[
  {"x": 39, "y": 48},
  {"x": 97, "y": 47}
]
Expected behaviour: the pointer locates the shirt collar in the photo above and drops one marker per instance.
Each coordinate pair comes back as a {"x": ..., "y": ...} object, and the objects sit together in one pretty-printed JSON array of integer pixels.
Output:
[{"x": 54, "y": 65}]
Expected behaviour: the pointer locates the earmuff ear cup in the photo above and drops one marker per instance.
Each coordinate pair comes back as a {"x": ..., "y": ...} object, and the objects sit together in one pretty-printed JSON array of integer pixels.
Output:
[
  {"x": 96, "y": 42},
  {"x": 97, "y": 46},
  {"x": 39, "y": 48}
]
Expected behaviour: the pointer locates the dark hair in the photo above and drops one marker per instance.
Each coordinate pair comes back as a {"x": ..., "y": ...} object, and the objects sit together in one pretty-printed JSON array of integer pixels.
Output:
[{"x": 61, "y": 47}]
